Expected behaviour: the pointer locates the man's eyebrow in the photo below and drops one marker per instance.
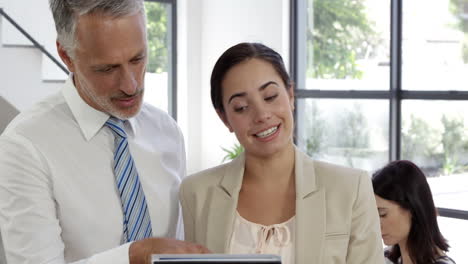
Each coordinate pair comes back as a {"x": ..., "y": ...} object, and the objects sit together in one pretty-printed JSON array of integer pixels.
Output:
[
  {"x": 142, "y": 53},
  {"x": 242, "y": 94}
]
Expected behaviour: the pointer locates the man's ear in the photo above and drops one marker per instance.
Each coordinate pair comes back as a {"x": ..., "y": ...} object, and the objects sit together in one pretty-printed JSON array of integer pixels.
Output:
[
  {"x": 65, "y": 57},
  {"x": 222, "y": 116},
  {"x": 291, "y": 96}
]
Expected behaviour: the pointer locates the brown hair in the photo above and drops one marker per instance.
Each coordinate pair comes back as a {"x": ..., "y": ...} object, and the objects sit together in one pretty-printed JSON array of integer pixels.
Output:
[{"x": 240, "y": 53}]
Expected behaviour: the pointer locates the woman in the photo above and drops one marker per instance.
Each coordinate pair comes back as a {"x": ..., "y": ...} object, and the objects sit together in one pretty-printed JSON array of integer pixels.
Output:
[
  {"x": 408, "y": 216},
  {"x": 273, "y": 198}
]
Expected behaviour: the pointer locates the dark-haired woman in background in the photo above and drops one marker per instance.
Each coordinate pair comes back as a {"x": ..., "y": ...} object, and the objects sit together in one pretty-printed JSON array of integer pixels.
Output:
[{"x": 408, "y": 217}]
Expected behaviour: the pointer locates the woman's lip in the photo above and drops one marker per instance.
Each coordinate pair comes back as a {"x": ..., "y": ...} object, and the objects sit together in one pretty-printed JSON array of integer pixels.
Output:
[
  {"x": 270, "y": 137},
  {"x": 260, "y": 131}
]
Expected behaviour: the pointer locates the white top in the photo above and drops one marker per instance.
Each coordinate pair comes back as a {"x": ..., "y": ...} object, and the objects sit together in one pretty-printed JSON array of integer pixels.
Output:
[
  {"x": 252, "y": 238},
  {"x": 58, "y": 198}
]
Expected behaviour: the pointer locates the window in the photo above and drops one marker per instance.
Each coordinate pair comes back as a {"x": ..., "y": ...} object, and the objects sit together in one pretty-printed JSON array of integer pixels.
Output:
[
  {"x": 380, "y": 80},
  {"x": 160, "y": 79}
]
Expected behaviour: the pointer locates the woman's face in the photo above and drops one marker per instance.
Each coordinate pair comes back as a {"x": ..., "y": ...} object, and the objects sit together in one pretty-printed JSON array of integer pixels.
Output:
[
  {"x": 395, "y": 221},
  {"x": 257, "y": 107}
]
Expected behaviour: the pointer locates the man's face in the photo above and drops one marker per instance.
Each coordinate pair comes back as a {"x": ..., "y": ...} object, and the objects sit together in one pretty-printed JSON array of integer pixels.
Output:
[{"x": 109, "y": 63}]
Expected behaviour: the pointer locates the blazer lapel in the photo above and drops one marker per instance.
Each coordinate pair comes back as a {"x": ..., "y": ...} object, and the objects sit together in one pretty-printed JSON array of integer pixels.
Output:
[
  {"x": 223, "y": 206},
  {"x": 310, "y": 212}
]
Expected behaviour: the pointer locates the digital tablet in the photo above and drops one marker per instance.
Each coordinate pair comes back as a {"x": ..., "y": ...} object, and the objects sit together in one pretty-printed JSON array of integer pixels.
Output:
[{"x": 215, "y": 258}]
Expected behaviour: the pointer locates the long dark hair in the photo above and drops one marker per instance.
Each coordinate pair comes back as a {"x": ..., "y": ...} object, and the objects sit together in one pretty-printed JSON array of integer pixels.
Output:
[
  {"x": 405, "y": 184},
  {"x": 240, "y": 53}
]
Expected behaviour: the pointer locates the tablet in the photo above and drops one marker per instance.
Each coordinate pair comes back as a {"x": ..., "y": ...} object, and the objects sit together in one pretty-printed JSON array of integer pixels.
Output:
[{"x": 215, "y": 258}]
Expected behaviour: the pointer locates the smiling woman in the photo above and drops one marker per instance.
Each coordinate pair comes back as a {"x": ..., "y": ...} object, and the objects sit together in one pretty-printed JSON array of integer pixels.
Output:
[{"x": 274, "y": 199}]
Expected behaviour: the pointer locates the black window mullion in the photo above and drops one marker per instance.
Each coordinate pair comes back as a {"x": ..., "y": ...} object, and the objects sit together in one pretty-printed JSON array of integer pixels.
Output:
[
  {"x": 395, "y": 79},
  {"x": 173, "y": 59}
]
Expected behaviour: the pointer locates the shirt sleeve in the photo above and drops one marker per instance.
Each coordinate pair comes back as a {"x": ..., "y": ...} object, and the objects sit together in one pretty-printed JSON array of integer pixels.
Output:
[
  {"x": 182, "y": 173},
  {"x": 29, "y": 223},
  {"x": 365, "y": 245}
]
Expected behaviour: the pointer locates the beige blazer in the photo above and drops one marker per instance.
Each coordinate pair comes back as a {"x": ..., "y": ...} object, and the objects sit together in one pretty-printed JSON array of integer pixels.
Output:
[{"x": 336, "y": 214}]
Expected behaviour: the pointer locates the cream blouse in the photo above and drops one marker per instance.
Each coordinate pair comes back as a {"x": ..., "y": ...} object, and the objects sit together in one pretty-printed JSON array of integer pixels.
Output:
[{"x": 252, "y": 238}]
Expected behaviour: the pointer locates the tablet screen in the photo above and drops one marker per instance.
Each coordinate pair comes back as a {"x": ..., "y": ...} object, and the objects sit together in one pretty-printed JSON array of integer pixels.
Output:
[{"x": 215, "y": 258}]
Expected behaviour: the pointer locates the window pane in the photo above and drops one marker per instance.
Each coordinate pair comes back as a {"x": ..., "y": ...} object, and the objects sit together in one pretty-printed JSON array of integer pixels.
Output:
[
  {"x": 348, "y": 132},
  {"x": 435, "y": 51},
  {"x": 158, "y": 72},
  {"x": 348, "y": 45},
  {"x": 435, "y": 136},
  {"x": 450, "y": 229}
]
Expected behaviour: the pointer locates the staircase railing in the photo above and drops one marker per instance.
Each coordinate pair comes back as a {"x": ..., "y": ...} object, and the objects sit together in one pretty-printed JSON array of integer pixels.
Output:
[{"x": 35, "y": 43}]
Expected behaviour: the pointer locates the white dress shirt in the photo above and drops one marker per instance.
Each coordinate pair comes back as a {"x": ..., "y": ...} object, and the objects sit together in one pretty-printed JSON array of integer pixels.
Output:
[{"x": 58, "y": 197}]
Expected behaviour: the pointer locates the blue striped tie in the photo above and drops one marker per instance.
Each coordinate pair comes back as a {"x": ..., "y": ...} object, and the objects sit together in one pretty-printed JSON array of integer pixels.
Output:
[{"x": 137, "y": 223}]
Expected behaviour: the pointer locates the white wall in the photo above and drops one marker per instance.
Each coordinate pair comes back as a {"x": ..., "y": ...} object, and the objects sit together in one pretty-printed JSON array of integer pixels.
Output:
[
  {"x": 211, "y": 27},
  {"x": 36, "y": 19},
  {"x": 20, "y": 73}
]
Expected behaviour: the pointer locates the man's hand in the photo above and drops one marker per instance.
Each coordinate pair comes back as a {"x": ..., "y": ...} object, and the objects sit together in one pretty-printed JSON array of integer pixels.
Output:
[{"x": 140, "y": 251}]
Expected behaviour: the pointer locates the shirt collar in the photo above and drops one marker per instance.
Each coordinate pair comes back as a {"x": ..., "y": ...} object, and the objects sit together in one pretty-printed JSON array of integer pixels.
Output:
[{"x": 89, "y": 119}]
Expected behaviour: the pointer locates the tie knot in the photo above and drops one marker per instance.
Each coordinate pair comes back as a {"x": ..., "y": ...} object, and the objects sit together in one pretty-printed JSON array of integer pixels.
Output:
[{"x": 116, "y": 126}]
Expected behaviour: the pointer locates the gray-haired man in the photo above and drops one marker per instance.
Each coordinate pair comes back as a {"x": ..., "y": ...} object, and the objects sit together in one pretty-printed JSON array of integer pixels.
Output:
[{"x": 91, "y": 174}]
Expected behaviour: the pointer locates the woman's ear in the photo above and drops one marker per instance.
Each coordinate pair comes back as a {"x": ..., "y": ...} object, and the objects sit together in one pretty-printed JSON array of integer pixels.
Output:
[{"x": 223, "y": 117}]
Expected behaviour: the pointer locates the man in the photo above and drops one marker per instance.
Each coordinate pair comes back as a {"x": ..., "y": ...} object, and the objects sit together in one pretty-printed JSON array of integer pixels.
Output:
[{"x": 91, "y": 174}]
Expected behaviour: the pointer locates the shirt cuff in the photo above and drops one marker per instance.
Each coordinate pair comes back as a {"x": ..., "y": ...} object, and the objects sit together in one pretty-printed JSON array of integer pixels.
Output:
[{"x": 118, "y": 255}]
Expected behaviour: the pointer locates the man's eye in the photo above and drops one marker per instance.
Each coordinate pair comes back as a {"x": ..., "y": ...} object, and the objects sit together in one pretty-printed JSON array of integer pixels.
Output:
[
  {"x": 271, "y": 98},
  {"x": 137, "y": 60},
  {"x": 105, "y": 70},
  {"x": 382, "y": 215}
]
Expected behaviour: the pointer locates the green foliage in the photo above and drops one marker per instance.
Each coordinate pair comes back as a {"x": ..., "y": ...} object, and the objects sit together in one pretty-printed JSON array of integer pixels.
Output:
[
  {"x": 459, "y": 9},
  {"x": 316, "y": 131},
  {"x": 418, "y": 139},
  {"x": 233, "y": 152},
  {"x": 341, "y": 33},
  {"x": 354, "y": 129},
  {"x": 452, "y": 143},
  {"x": 465, "y": 48},
  {"x": 353, "y": 133},
  {"x": 158, "y": 43},
  {"x": 445, "y": 147}
]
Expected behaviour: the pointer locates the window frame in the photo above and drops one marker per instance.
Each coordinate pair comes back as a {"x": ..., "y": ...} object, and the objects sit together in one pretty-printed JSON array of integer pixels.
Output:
[
  {"x": 395, "y": 94},
  {"x": 172, "y": 80}
]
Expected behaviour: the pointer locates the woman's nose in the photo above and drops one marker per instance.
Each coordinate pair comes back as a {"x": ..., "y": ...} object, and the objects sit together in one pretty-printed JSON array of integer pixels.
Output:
[{"x": 262, "y": 114}]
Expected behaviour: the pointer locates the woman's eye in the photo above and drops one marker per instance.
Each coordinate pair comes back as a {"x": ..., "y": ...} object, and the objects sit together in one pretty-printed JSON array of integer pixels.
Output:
[
  {"x": 382, "y": 215},
  {"x": 271, "y": 98},
  {"x": 239, "y": 109}
]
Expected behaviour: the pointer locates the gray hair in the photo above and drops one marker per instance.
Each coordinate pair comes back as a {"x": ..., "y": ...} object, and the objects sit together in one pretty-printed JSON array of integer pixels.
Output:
[{"x": 67, "y": 12}]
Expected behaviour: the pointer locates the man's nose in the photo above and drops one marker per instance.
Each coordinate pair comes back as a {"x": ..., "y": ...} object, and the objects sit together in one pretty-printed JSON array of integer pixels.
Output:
[{"x": 128, "y": 82}]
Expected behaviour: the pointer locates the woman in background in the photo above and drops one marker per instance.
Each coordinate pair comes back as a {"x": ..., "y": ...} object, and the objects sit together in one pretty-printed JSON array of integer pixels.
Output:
[
  {"x": 274, "y": 199},
  {"x": 408, "y": 216}
]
